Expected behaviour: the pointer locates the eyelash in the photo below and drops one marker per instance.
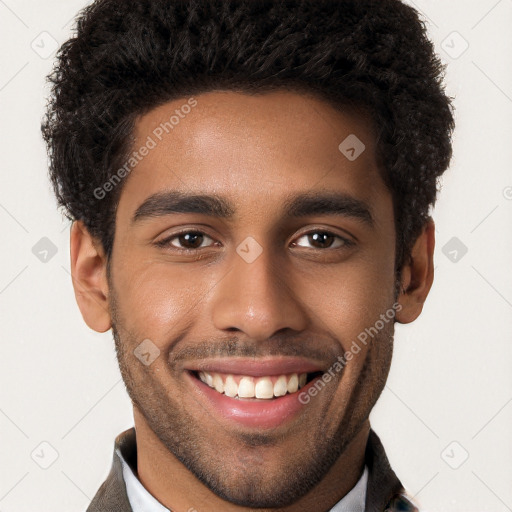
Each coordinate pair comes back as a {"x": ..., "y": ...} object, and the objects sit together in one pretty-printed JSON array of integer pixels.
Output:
[{"x": 346, "y": 243}]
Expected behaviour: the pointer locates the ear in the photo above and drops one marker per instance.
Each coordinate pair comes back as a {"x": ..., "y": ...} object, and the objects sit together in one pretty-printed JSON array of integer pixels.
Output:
[
  {"x": 417, "y": 275},
  {"x": 89, "y": 275}
]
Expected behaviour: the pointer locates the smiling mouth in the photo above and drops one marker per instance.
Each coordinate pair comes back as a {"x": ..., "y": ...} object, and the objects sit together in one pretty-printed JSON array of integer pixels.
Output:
[{"x": 247, "y": 387}]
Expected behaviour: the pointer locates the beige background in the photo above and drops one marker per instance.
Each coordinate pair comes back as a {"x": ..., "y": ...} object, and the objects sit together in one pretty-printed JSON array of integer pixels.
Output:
[{"x": 445, "y": 416}]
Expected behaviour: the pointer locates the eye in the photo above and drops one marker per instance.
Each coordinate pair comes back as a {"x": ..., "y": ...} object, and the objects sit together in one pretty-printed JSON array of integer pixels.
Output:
[
  {"x": 193, "y": 240},
  {"x": 188, "y": 240},
  {"x": 324, "y": 240}
]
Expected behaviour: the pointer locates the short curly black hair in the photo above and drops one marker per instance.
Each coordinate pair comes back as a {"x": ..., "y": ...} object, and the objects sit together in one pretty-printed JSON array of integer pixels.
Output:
[{"x": 126, "y": 58}]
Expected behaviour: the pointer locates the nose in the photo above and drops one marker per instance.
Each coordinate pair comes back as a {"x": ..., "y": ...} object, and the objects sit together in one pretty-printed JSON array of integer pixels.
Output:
[{"x": 258, "y": 299}]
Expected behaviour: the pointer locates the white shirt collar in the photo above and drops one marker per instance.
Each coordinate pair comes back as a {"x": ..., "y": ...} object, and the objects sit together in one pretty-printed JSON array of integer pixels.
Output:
[{"x": 142, "y": 501}]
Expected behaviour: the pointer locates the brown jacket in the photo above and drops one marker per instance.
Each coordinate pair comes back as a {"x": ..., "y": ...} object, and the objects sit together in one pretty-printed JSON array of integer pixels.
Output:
[{"x": 384, "y": 492}]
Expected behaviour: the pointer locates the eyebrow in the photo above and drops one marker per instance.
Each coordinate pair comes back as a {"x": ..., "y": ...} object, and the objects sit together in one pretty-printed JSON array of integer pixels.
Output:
[{"x": 302, "y": 205}]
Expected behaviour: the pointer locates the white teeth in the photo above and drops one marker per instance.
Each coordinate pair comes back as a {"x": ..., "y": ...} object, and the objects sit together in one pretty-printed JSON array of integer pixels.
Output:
[
  {"x": 209, "y": 379},
  {"x": 246, "y": 387},
  {"x": 264, "y": 388},
  {"x": 293, "y": 383},
  {"x": 254, "y": 387},
  {"x": 230, "y": 386},
  {"x": 217, "y": 383},
  {"x": 280, "y": 387}
]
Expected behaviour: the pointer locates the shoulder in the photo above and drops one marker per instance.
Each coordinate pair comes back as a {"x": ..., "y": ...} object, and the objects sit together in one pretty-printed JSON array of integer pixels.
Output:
[{"x": 401, "y": 503}]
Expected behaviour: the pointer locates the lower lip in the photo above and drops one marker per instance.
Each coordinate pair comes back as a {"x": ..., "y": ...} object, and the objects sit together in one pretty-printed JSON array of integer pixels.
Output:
[{"x": 251, "y": 413}]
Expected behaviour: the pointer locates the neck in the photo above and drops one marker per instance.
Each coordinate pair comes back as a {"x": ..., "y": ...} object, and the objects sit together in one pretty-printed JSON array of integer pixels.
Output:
[{"x": 173, "y": 485}]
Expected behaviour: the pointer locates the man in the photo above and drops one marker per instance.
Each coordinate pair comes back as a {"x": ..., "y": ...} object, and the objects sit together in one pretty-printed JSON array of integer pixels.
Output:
[{"x": 250, "y": 184}]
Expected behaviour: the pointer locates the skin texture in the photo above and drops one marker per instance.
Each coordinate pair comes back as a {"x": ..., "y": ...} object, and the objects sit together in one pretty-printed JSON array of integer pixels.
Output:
[{"x": 307, "y": 300}]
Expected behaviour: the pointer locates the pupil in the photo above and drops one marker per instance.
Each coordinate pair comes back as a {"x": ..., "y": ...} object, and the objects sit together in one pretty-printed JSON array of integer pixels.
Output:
[
  {"x": 320, "y": 238},
  {"x": 194, "y": 237}
]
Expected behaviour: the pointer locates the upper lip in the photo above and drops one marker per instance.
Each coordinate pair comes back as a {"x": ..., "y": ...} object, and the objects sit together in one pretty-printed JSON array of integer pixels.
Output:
[{"x": 259, "y": 367}]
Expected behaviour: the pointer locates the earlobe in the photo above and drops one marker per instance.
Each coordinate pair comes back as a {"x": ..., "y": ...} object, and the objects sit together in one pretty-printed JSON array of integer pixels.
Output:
[
  {"x": 417, "y": 275},
  {"x": 89, "y": 275}
]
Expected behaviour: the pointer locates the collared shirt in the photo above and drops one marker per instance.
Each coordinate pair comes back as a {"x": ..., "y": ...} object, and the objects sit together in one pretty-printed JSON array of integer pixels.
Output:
[{"x": 141, "y": 500}]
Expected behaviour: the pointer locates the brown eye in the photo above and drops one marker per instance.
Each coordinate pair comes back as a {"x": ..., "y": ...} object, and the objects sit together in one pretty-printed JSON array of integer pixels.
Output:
[
  {"x": 191, "y": 240},
  {"x": 187, "y": 240},
  {"x": 323, "y": 240}
]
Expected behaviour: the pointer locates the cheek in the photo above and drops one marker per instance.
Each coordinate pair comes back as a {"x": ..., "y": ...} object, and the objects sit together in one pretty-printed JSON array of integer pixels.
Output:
[
  {"x": 349, "y": 298},
  {"x": 157, "y": 298}
]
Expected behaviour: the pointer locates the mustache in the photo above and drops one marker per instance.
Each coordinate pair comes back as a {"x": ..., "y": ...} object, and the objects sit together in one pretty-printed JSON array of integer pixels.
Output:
[{"x": 311, "y": 347}]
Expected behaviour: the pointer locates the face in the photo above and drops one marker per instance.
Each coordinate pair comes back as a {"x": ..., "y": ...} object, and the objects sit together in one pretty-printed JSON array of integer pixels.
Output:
[{"x": 259, "y": 285}]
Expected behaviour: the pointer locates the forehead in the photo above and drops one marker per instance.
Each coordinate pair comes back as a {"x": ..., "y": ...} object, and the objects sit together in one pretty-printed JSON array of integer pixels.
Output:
[{"x": 253, "y": 149}]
